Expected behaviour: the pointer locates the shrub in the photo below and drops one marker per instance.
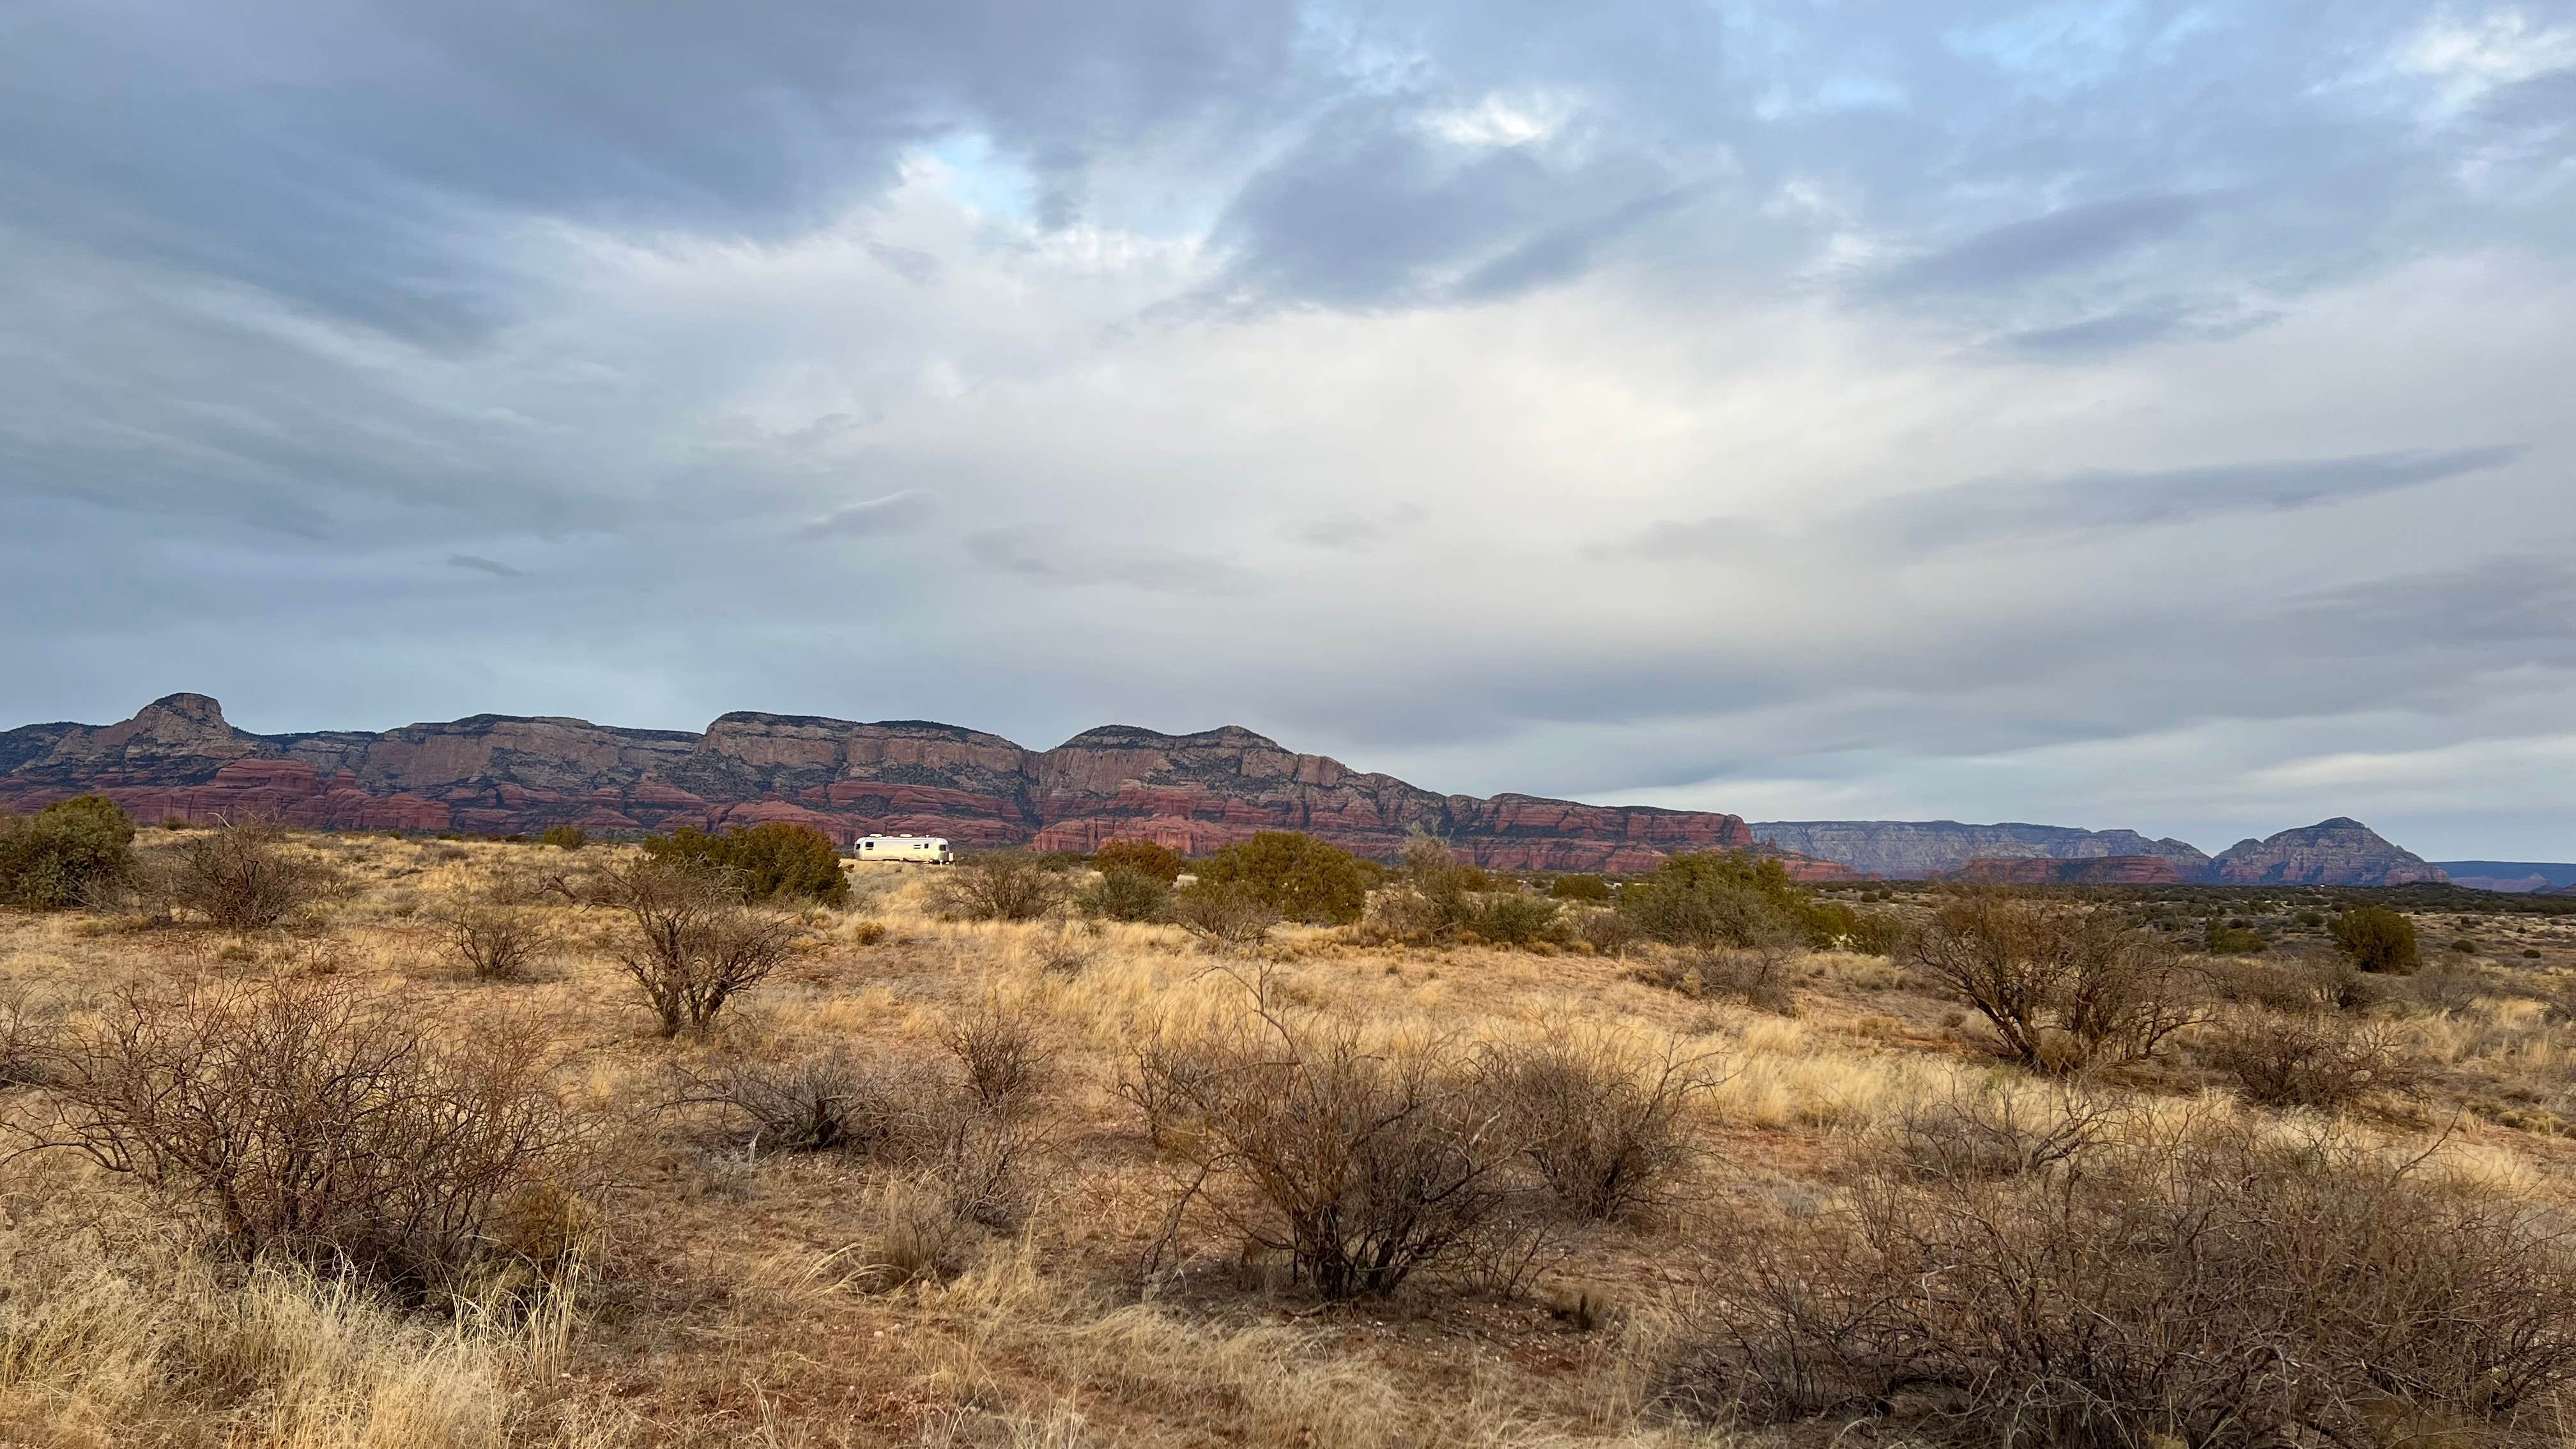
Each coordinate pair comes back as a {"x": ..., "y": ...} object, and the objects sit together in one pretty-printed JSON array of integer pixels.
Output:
[
  {"x": 830, "y": 1101},
  {"x": 998, "y": 886},
  {"x": 1720, "y": 899},
  {"x": 1993, "y": 1132},
  {"x": 1225, "y": 916},
  {"x": 67, "y": 854},
  {"x": 1602, "y": 1119},
  {"x": 2233, "y": 940},
  {"x": 1609, "y": 932},
  {"x": 2211, "y": 1286},
  {"x": 1362, "y": 1166},
  {"x": 315, "y": 1123},
  {"x": 2313, "y": 1060},
  {"x": 2376, "y": 938},
  {"x": 1004, "y": 1061},
  {"x": 691, "y": 944},
  {"x": 1758, "y": 978},
  {"x": 1589, "y": 888},
  {"x": 775, "y": 861},
  {"x": 1143, "y": 857},
  {"x": 496, "y": 942},
  {"x": 243, "y": 877},
  {"x": 1122, "y": 894},
  {"x": 2064, "y": 985},
  {"x": 2298, "y": 985},
  {"x": 564, "y": 837},
  {"x": 1509, "y": 918},
  {"x": 1297, "y": 876}
]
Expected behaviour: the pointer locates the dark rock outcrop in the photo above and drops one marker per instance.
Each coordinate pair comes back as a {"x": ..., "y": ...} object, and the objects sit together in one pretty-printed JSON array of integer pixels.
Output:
[
  {"x": 1920, "y": 849},
  {"x": 180, "y": 758},
  {"x": 2341, "y": 851}
]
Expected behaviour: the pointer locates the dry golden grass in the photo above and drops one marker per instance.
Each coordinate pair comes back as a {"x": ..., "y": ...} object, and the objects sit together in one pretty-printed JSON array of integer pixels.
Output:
[{"x": 738, "y": 1299}]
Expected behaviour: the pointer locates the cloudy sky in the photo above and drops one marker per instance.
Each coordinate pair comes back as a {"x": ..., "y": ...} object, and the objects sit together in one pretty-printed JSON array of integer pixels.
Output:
[{"x": 2121, "y": 414}]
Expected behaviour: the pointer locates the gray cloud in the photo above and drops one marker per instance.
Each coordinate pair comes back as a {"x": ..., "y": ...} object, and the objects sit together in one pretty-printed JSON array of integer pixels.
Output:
[
  {"x": 900, "y": 512},
  {"x": 2000, "y": 509},
  {"x": 2043, "y": 246},
  {"x": 478, "y": 564},
  {"x": 1041, "y": 557},
  {"x": 1239, "y": 294}
]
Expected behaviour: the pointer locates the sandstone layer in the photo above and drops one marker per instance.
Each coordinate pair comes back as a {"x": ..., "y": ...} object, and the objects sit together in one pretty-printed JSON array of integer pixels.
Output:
[{"x": 179, "y": 758}]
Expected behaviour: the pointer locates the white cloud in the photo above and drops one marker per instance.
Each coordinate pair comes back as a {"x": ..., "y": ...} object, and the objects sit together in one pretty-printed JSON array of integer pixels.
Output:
[{"x": 2466, "y": 59}]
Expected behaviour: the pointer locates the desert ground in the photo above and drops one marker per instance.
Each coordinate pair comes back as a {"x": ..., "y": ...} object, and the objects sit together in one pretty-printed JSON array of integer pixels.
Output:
[{"x": 702, "y": 1286}]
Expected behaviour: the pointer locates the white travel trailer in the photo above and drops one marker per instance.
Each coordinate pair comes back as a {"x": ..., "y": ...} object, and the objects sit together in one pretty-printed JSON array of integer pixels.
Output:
[{"x": 919, "y": 849}]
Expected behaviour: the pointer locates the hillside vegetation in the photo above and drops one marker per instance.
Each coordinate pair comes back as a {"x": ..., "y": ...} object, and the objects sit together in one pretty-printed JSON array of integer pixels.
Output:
[{"x": 323, "y": 1140}]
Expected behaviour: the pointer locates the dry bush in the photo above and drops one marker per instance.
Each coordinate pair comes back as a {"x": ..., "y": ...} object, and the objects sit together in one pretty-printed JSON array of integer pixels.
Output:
[
  {"x": 1610, "y": 933},
  {"x": 1005, "y": 1063},
  {"x": 243, "y": 877},
  {"x": 2205, "y": 1285},
  {"x": 691, "y": 944},
  {"x": 2296, "y": 984},
  {"x": 2312, "y": 1059},
  {"x": 998, "y": 886},
  {"x": 1759, "y": 977},
  {"x": 312, "y": 1122},
  {"x": 1362, "y": 1166},
  {"x": 899, "y": 1111},
  {"x": 1602, "y": 1118},
  {"x": 1226, "y": 917},
  {"x": 1065, "y": 951},
  {"x": 497, "y": 942},
  {"x": 830, "y": 1101},
  {"x": 1997, "y": 1132},
  {"x": 2065, "y": 985},
  {"x": 24, "y": 1030}
]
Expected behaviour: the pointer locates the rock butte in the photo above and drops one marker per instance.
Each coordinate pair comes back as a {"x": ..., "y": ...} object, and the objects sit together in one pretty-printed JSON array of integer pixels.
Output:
[{"x": 180, "y": 758}]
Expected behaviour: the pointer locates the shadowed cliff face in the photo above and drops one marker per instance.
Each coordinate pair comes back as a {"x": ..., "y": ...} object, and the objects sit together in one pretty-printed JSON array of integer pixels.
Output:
[{"x": 491, "y": 773}]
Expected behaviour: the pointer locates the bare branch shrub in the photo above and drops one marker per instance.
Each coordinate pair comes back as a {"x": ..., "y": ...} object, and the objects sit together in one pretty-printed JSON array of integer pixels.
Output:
[
  {"x": 1608, "y": 932},
  {"x": 831, "y": 1101},
  {"x": 1602, "y": 1118},
  {"x": 1065, "y": 951},
  {"x": 1760, "y": 977},
  {"x": 1224, "y": 917},
  {"x": 691, "y": 943},
  {"x": 497, "y": 942},
  {"x": 1362, "y": 1166},
  {"x": 243, "y": 877},
  {"x": 1994, "y": 1132},
  {"x": 2298, "y": 984},
  {"x": 312, "y": 1122},
  {"x": 901, "y": 1111},
  {"x": 1000, "y": 885},
  {"x": 2212, "y": 1285},
  {"x": 1004, "y": 1061},
  {"x": 2313, "y": 1060},
  {"x": 2065, "y": 985}
]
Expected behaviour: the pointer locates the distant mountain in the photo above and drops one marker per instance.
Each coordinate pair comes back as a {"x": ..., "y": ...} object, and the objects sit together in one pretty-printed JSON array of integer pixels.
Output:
[
  {"x": 500, "y": 774},
  {"x": 2333, "y": 852},
  {"x": 2511, "y": 876},
  {"x": 2341, "y": 851},
  {"x": 491, "y": 773},
  {"x": 1920, "y": 849}
]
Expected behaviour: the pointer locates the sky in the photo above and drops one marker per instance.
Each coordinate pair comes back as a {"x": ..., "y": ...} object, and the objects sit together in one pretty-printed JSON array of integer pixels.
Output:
[{"x": 2147, "y": 415}]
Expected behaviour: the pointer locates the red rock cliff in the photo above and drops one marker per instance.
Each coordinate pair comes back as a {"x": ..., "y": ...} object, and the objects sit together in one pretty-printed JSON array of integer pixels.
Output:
[{"x": 492, "y": 773}]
